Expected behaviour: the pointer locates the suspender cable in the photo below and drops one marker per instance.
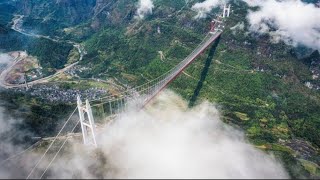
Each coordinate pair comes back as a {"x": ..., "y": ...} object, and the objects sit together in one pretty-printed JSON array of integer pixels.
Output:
[{"x": 51, "y": 144}]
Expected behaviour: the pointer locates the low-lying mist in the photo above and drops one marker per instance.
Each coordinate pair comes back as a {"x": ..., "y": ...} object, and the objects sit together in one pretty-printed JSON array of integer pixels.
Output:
[
  {"x": 165, "y": 140},
  {"x": 168, "y": 140},
  {"x": 10, "y": 145},
  {"x": 5, "y": 59}
]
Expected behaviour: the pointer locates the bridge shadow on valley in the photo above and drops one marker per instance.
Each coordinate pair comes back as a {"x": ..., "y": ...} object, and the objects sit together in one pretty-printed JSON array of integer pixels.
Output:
[{"x": 204, "y": 73}]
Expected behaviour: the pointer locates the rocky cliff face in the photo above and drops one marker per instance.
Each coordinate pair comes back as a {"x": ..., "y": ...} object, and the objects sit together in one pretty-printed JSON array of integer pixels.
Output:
[
  {"x": 68, "y": 11},
  {"x": 63, "y": 17},
  {"x": 99, "y": 6},
  {"x": 113, "y": 12}
]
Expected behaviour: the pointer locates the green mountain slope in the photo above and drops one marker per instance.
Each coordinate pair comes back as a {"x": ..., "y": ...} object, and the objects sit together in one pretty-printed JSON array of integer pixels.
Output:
[{"x": 258, "y": 86}]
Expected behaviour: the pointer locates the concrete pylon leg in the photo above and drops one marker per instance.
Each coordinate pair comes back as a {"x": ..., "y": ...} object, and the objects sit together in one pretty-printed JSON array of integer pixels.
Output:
[
  {"x": 91, "y": 122},
  {"x": 229, "y": 9},
  {"x": 226, "y": 11},
  {"x": 87, "y": 125},
  {"x": 81, "y": 116}
]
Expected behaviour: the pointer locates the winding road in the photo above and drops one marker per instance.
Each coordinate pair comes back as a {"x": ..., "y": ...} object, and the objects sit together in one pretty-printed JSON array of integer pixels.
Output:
[{"x": 17, "y": 23}]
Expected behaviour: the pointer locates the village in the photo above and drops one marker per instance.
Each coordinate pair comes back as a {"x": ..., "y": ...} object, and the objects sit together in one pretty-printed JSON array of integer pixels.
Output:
[
  {"x": 55, "y": 93},
  {"x": 20, "y": 69}
]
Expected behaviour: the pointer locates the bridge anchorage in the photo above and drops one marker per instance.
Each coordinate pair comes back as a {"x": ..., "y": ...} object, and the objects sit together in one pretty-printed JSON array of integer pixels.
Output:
[{"x": 114, "y": 105}]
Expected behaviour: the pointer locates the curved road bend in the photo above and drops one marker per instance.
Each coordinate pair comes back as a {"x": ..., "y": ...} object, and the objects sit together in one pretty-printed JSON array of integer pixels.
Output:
[{"x": 16, "y": 27}]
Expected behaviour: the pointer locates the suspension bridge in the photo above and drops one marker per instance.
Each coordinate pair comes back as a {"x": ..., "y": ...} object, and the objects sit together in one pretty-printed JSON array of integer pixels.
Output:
[{"x": 114, "y": 105}]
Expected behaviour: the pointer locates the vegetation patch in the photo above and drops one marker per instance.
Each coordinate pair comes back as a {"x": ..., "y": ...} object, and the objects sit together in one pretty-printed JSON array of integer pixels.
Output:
[
  {"x": 242, "y": 116},
  {"x": 311, "y": 167}
]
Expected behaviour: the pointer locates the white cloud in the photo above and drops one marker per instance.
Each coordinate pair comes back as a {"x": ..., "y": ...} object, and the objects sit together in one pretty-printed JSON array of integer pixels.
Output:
[
  {"x": 144, "y": 7},
  {"x": 294, "y": 22},
  {"x": 8, "y": 132},
  {"x": 5, "y": 59},
  {"x": 166, "y": 140},
  {"x": 206, "y": 6}
]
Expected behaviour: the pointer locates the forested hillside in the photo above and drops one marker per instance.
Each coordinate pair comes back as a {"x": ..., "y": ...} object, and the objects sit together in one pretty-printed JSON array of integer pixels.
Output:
[{"x": 259, "y": 86}]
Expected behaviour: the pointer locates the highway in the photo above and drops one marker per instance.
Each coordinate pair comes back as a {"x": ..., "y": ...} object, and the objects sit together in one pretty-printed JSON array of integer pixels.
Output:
[{"x": 17, "y": 22}]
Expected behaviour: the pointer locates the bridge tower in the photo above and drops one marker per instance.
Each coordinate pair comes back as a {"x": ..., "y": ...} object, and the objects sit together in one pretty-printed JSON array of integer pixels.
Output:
[
  {"x": 162, "y": 57},
  {"x": 87, "y": 123},
  {"x": 212, "y": 25},
  {"x": 226, "y": 11}
]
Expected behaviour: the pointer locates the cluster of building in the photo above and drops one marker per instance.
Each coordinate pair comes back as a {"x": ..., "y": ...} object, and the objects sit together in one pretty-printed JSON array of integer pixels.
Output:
[
  {"x": 303, "y": 148},
  {"x": 34, "y": 74},
  {"x": 75, "y": 70},
  {"x": 54, "y": 93},
  {"x": 312, "y": 86},
  {"x": 315, "y": 70}
]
